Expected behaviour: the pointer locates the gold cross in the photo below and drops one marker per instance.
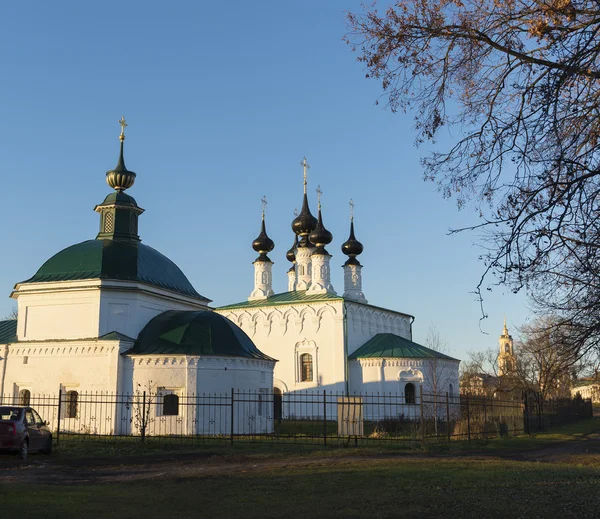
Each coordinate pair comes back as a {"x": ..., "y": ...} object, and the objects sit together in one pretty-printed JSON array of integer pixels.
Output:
[
  {"x": 123, "y": 124},
  {"x": 264, "y": 205},
  {"x": 351, "y": 210},
  {"x": 306, "y": 167}
]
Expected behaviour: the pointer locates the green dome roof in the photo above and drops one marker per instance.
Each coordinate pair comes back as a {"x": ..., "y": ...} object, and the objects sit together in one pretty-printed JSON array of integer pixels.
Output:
[
  {"x": 195, "y": 333},
  {"x": 115, "y": 260},
  {"x": 388, "y": 345}
]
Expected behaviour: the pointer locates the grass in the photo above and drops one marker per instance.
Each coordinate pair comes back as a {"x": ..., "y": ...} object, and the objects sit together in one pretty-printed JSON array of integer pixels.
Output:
[
  {"x": 452, "y": 486},
  {"x": 427, "y": 488},
  {"x": 110, "y": 447}
]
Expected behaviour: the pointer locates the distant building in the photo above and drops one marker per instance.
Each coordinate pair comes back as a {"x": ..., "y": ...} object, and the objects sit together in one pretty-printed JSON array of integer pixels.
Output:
[
  {"x": 483, "y": 384},
  {"x": 587, "y": 387}
]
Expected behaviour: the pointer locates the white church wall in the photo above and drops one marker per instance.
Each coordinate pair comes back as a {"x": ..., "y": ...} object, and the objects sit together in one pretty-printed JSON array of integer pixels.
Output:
[
  {"x": 70, "y": 313},
  {"x": 89, "y": 368},
  {"x": 129, "y": 311},
  {"x": 389, "y": 376},
  {"x": 91, "y": 308},
  {"x": 201, "y": 383},
  {"x": 365, "y": 321},
  {"x": 287, "y": 332}
]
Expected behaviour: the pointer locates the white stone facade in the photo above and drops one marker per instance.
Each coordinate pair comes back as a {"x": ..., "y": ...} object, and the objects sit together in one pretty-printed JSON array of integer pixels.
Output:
[{"x": 329, "y": 331}]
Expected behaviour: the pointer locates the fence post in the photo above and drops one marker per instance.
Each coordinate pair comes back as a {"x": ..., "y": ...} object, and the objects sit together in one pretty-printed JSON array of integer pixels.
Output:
[
  {"x": 324, "y": 417},
  {"x": 448, "y": 416},
  {"x": 525, "y": 414},
  {"x": 468, "y": 419},
  {"x": 144, "y": 417},
  {"x": 231, "y": 432},
  {"x": 59, "y": 413},
  {"x": 422, "y": 415}
]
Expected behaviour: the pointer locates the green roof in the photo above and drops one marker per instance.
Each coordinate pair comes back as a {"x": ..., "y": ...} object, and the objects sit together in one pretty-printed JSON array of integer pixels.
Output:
[
  {"x": 8, "y": 331},
  {"x": 285, "y": 298},
  {"x": 299, "y": 296},
  {"x": 195, "y": 333},
  {"x": 116, "y": 260},
  {"x": 390, "y": 345}
]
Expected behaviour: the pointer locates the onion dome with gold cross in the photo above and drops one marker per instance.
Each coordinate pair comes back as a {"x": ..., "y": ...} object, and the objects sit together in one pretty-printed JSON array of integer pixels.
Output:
[
  {"x": 117, "y": 253},
  {"x": 352, "y": 247},
  {"x": 305, "y": 222},
  {"x": 320, "y": 236},
  {"x": 263, "y": 244}
]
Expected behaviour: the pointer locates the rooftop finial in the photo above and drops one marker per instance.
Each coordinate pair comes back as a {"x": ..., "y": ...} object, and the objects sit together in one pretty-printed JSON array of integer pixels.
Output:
[
  {"x": 295, "y": 212},
  {"x": 351, "y": 210},
  {"x": 319, "y": 193},
  {"x": 505, "y": 331},
  {"x": 264, "y": 205},
  {"x": 123, "y": 124},
  {"x": 306, "y": 167}
]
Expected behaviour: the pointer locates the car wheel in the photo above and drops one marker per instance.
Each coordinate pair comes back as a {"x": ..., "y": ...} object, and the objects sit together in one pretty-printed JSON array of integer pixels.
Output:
[
  {"x": 24, "y": 450},
  {"x": 48, "y": 447}
]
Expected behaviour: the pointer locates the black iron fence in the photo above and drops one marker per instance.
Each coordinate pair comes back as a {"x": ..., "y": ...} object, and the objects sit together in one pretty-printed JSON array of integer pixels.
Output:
[{"x": 295, "y": 417}]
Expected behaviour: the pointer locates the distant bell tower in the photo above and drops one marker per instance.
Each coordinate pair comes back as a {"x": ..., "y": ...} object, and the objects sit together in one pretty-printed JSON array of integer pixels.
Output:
[{"x": 506, "y": 356}]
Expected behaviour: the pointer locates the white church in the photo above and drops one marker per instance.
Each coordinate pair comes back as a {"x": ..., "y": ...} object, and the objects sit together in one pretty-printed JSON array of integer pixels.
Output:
[{"x": 111, "y": 314}]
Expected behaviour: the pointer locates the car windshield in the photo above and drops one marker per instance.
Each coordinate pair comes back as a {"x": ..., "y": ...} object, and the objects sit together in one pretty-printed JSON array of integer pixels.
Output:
[{"x": 10, "y": 413}]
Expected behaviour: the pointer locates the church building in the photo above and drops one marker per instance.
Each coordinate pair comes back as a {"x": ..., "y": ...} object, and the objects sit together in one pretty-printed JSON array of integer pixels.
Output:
[
  {"x": 329, "y": 341},
  {"x": 113, "y": 315}
]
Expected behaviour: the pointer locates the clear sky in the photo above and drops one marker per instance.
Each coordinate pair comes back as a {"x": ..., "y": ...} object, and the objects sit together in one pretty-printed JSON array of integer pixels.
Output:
[{"x": 223, "y": 99}]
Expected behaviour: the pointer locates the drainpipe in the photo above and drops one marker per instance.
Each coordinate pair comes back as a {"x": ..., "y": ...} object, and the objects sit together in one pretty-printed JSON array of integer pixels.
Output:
[
  {"x": 412, "y": 320},
  {"x": 4, "y": 361},
  {"x": 345, "y": 314}
]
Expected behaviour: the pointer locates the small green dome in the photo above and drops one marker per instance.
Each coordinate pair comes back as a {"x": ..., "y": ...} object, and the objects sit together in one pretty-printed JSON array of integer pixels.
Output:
[
  {"x": 389, "y": 345},
  {"x": 115, "y": 260},
  {"x": 195, "y": 333}
]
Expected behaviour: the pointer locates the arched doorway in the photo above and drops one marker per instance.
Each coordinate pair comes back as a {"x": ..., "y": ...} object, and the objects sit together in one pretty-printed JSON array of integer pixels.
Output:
[{"x": 277, "y": 403}]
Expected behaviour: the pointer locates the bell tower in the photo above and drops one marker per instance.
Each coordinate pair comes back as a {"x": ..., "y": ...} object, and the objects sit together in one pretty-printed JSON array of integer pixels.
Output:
[{"x": 506, "y": 356}]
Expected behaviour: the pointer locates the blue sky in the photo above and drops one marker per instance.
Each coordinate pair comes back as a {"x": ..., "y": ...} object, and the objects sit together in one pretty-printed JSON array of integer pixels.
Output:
[{"x": 223, "y": 99}]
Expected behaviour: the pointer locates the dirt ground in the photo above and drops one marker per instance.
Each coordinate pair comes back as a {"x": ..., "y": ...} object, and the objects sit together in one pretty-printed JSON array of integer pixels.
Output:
[{"x": 51, "y": 470}]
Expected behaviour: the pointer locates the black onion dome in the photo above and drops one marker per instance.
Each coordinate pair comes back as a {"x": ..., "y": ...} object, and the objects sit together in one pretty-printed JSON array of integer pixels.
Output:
[
  {"x": 291, "y": 254},
  {"x": 352, "y": 247},
  {"x": 304, "y": 223},
  {"x": 320, "y": 236},
  {"x": 263, "y": 244}
]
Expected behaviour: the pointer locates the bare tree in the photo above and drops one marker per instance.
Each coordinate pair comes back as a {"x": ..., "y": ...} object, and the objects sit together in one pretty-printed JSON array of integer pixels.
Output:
[
  {"x": 14, "y": 314},
  {"x": 437, "y": 370},
  {"x": 545, "y": 361},
  {"x": 517, "y": 87}
]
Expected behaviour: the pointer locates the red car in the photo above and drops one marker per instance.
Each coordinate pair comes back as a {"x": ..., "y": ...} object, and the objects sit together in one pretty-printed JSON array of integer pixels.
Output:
[{"x": 22, "y": 430}]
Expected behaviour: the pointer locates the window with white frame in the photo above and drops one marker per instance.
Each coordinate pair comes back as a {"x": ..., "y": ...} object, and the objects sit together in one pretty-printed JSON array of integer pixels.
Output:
[
  {"x": 168, "y": 402},
  {"x": 24, "y": 397},
  {"x": 306, "y": 367},
  {"x": 71, "y": 404},
  {"x": 307, "y": 363}
]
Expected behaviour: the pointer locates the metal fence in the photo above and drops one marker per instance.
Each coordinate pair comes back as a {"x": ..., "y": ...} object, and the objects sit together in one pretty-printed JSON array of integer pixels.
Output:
[{"x": 296, "y": 417}]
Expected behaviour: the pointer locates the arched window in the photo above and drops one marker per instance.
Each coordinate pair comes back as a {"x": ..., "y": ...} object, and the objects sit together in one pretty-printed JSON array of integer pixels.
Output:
[
  {"x": 409, "y": 393},
  {"x": 170, "y": 405},
  {"x": 71, "y": 404},
  {"x": 451, "y": 390},
  {"x": 24, "y": 397},
  {"x": 306, "y": 367},
  {"x": 507, "y": 348}
]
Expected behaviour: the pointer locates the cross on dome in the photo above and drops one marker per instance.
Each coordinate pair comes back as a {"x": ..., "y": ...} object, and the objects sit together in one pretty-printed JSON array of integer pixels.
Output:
[
  {"x": 305, "y": 167},
  {"x": 351, "y": 210},
  {"x": 264, "y": 205},
  {"x": 319, "y": 193},
  {"x": 123, "y": 124}
]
